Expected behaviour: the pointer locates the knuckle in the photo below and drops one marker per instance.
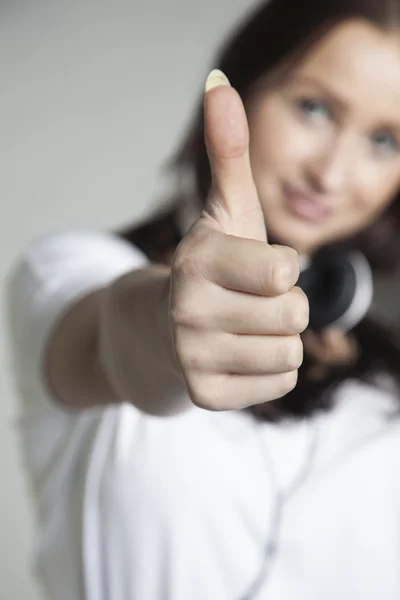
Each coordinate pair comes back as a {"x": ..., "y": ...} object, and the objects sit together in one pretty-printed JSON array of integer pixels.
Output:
[
  {"x": 205, "y": 394},
  {"x": 293, "y": 258},
  {"x": 296, "y": 311},
  {"x": 195, "y": 357},
  {"x": 184, "y": 258},
  {"x": 279, "y": 277},
  {"x": 287, "y": 382},
  {"x": 187, "y": 314},
  {"x": 181, "y": 314},
  {"x": 179, "y": 349},
  {"x": 194, "y": 253},
  {"x": 295, "y": 353},
  {"x": 187, "y": 308},
  {"x": 289, "y": 354},
  {"x": 285, "y": 268},
  {"x": 303, "y": 311}
]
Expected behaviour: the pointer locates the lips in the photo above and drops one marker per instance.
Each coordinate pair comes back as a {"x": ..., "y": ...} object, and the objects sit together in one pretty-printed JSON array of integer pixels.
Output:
[{"x": 306, "y": 206}]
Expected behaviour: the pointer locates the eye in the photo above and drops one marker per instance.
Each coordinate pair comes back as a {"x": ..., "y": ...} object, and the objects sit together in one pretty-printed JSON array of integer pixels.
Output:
[
  {"x": 385, "y": 143},
  {"x": 315, "y": 109}
]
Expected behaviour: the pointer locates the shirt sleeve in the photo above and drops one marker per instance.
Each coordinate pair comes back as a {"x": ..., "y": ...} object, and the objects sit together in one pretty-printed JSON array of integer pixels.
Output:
[
  {"x": 60, "y": 445},
  {"x": 53, "y": 273}
]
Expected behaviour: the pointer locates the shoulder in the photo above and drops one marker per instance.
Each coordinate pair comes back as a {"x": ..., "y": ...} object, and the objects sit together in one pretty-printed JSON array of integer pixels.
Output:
[
  {"x": 57, "y": 246},
  {"x": 380, "y": 393},
  {"x": 66, "y": 257},
  {"x": 365, "y": 408}
]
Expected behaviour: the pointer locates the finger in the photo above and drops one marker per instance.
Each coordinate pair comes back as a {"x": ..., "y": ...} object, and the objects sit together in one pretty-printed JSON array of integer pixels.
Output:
[
  {"x": 251, "y": 355},
  {"x": 234, "y": 200},
  {"x": 224, "y": 392},
  {"x": 249, "y": 265},
  {"x": 236, "y": 313}
]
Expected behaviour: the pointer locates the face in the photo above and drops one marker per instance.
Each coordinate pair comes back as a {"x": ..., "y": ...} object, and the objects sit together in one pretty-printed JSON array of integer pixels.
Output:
[{"x": 325, "y": 137}]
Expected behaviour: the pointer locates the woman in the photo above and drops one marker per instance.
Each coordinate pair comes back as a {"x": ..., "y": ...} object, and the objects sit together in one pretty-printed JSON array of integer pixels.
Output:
[{"x": 179, "y": 445}]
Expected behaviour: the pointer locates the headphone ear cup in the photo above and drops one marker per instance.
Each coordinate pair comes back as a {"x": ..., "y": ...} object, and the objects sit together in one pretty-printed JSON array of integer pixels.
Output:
[{"x": 339, "y": 288}]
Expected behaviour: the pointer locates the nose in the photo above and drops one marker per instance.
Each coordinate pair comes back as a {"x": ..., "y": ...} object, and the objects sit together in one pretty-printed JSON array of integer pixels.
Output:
[{"x": 329, "y": 169}]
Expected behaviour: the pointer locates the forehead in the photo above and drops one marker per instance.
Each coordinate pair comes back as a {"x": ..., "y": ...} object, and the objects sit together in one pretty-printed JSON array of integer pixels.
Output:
[{"x": 360, "y": 60}]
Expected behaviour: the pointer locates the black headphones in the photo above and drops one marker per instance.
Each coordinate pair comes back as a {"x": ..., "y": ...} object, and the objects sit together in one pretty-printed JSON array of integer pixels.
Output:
[{"x": 339, "y": 288}]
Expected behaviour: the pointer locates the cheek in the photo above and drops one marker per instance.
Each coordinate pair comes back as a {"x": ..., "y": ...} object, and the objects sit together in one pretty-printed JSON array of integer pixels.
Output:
[{"x": 377, "y": 189}]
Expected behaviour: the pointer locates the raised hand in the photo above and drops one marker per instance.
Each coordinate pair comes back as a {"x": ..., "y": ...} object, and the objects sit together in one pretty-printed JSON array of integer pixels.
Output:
[{"x": 235, "y": 312}]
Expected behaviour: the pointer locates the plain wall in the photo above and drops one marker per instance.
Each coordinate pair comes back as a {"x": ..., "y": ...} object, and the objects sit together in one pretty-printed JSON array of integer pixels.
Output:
[{"x": 94, "y": 97}]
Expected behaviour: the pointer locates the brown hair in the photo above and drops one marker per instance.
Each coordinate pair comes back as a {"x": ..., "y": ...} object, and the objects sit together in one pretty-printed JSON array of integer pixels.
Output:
[{"x": 275, "y": 31}]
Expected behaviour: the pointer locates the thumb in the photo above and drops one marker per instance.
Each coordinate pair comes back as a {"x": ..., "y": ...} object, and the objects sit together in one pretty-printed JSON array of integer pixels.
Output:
[{"x": 233, "y": 201}]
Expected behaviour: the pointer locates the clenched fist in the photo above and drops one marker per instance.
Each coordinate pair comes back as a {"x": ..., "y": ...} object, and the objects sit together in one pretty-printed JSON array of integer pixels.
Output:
[{"x": 235, "y": 312}]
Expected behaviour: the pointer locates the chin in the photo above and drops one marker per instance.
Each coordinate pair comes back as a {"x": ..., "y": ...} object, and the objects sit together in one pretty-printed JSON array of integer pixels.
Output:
[{"x": 294, "y": 239}]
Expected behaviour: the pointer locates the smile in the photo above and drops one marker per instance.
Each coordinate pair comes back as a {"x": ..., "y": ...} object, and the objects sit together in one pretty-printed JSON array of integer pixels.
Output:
[{"x": 305, "y": 206}]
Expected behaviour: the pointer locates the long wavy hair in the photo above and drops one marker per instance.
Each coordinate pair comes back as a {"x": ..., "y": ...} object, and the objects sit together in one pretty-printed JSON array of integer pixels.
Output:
[{"x": 275, "y": 31}]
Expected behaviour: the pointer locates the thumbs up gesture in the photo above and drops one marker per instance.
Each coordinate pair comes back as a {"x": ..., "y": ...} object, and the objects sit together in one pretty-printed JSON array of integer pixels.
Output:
[{"x": 235, "y": 312}]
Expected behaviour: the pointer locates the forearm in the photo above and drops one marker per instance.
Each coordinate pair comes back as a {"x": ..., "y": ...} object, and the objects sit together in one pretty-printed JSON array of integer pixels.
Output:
[
  {"x": 135, "y": 348},
  {"x": 116, "y": 346}
]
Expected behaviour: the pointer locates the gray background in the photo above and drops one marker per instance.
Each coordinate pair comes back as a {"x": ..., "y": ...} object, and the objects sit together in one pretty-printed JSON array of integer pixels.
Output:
[{"x": 94, "y": 97}]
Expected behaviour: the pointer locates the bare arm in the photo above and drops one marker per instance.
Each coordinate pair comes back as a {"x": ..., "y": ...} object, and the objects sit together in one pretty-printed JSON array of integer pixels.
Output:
[{"x": 116, "y": 345}]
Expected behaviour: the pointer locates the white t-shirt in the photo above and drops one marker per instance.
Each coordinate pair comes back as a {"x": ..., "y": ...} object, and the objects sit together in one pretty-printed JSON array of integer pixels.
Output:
[{"x": 200, "y": 505}]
